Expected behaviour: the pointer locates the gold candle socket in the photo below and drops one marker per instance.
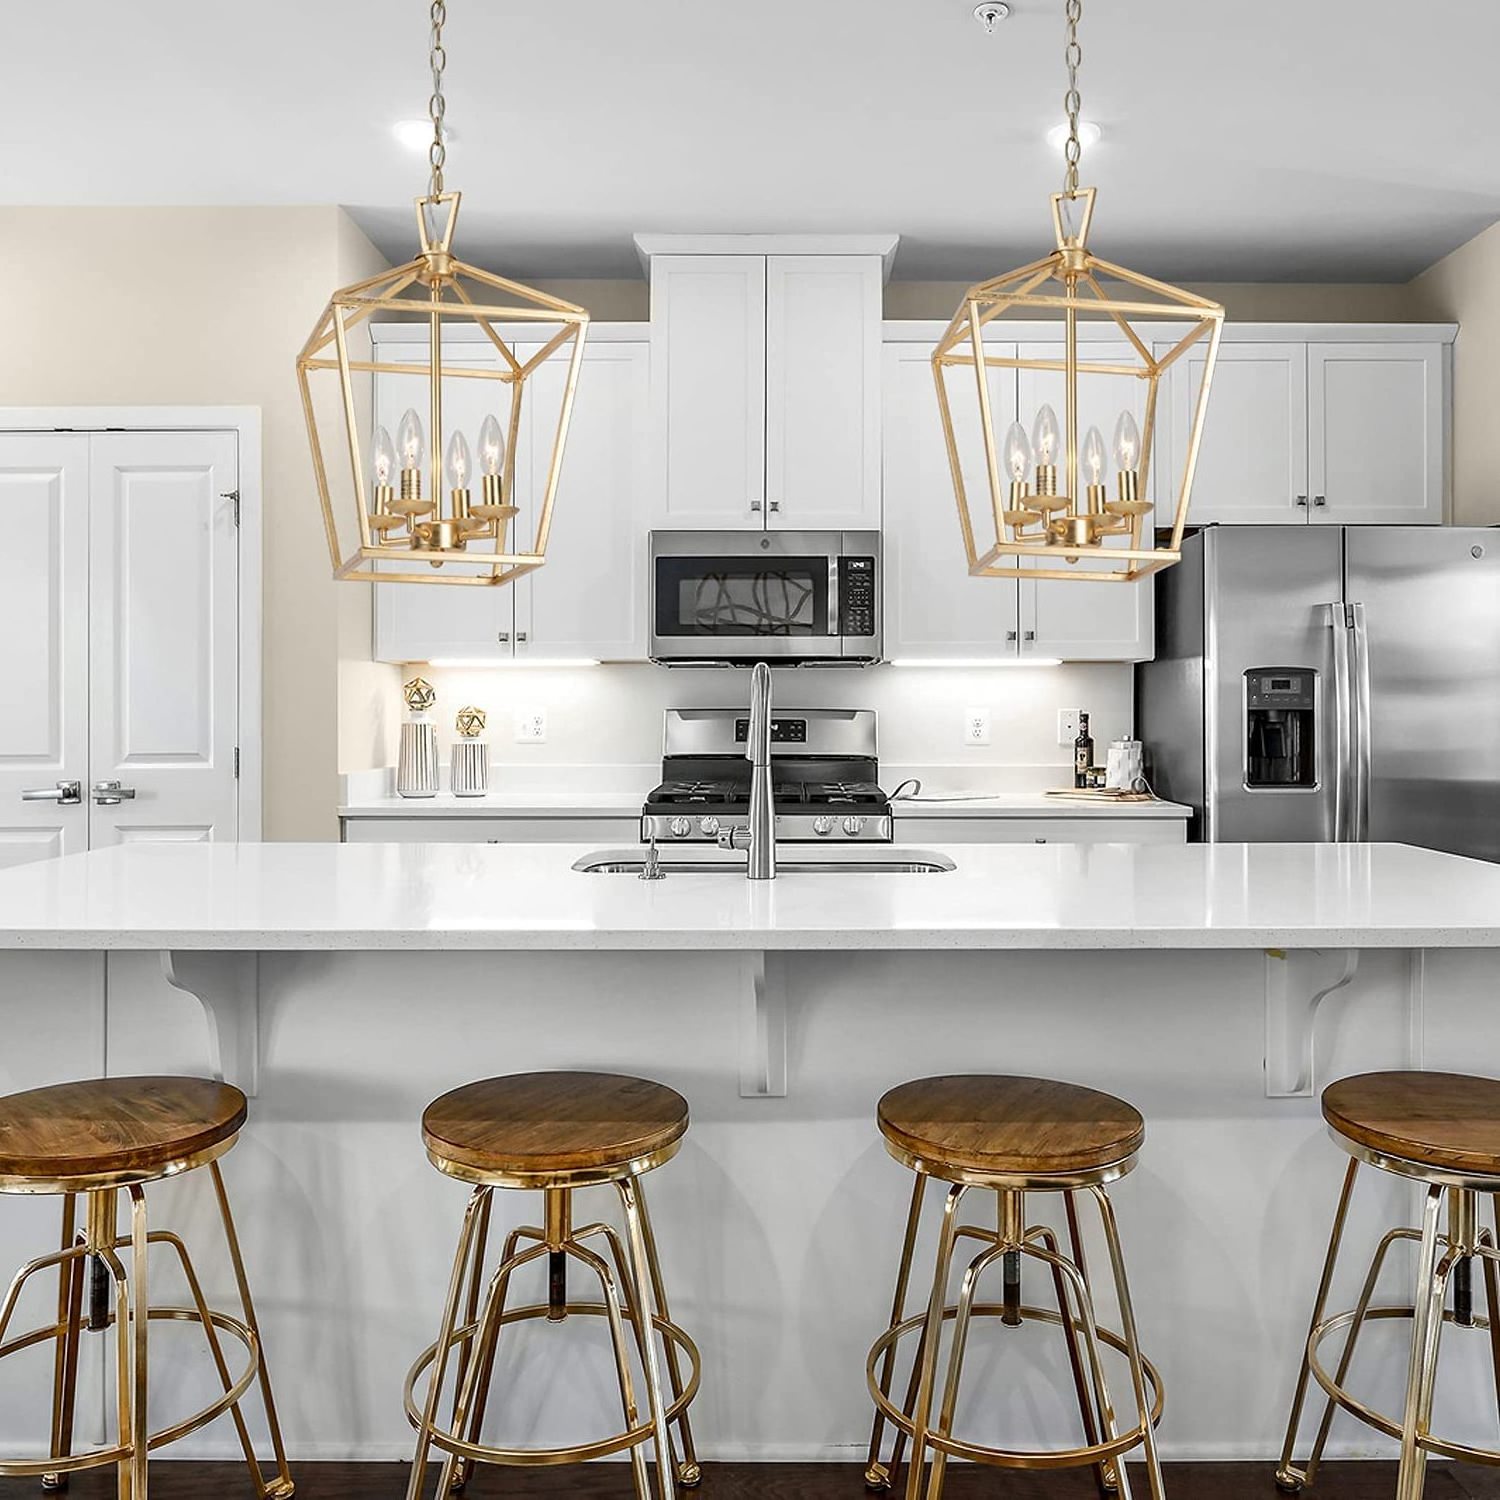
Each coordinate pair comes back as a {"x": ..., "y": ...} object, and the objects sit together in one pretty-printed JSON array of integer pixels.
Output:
[
  {"x": 1046, "y": 479},
  {"x": 493, "y": 489},
  {"x": 1130, "y": 485},
  {"x": 382, "y": 517},
  {"x": 459, "y": 503},
  {"x": 411, "y": 484},
  {"x": 1096, "y": 497}
]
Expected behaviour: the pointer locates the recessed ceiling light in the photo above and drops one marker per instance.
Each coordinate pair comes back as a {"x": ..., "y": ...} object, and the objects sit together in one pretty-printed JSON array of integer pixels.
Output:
[
  {"x": 1089, "y": 134},
  {"x": 416, "y": 135}
]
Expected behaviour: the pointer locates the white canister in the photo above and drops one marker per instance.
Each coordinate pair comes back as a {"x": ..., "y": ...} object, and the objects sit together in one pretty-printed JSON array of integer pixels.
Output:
[
  {"x": 1125, "y": 766},
  {"x": 417, "y": 765},
  {"x": 469, "y": 769}
]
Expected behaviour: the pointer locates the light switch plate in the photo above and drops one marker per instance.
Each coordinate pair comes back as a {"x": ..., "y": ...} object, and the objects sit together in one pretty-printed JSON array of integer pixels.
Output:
[
  {"x": 1067, "y": 725},
  {"x": 976, "y": 726},
  {"x": 531, "y": 726}
]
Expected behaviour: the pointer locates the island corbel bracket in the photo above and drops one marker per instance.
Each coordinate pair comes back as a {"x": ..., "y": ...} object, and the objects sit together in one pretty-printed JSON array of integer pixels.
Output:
[
  {"x": 1292, "y": 1002},
  {"x": 762, "y": 1007},
  {"x": 227, "y": 986}
]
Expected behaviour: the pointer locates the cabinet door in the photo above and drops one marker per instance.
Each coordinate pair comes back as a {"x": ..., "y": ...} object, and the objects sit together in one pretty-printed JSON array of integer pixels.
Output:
[
  {"x": 1376, "y": 444},
  {"x": 417, "y": 622},
  {"x": 823, "y": 391},
  {"x": 933, "y": 609},
  {"x": 1085, "y": 621},
  {"x": 590, "y": 599},
  {"x": 44, "y": 618},
  {"x": 708, "y": 393},
  {"x": 164, "y": 635},
  {"x": 1252, "y": 461}
]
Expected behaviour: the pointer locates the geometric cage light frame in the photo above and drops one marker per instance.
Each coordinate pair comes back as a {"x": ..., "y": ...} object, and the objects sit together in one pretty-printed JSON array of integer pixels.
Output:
[
  {"x": 1044, "y": 525},
  {"x": 420, "y": 520}
]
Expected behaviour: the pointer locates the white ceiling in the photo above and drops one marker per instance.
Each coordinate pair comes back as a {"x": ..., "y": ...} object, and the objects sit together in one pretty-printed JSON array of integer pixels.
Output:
[{"x": 1324, "y": 140}]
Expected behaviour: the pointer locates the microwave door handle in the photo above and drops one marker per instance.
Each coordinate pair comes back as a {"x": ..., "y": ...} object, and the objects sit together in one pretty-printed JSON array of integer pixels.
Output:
[
  {"x": 835, "y": 619},
  {"x": 1361, "y": 756},
  {"x": 1339, "y": 648}
]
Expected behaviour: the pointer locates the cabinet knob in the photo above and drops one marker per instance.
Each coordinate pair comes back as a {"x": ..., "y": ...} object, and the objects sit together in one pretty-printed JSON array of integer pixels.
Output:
[
  {"x": 1320, "y": 499},
  {"x": 775, "y": 505},
  {"x": 755, "y": 505},
  {"x": 503, "y": 637},
  {"x": 1012, "y": 635},
  {"x": 1302, "y": 500},
  {"x": 1030, "y": 635},
  {"x": 521, "y": 636}
]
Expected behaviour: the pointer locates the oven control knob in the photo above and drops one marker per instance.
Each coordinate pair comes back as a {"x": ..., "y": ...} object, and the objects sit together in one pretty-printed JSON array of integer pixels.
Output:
[
  {"x": 708, "y": 826},
  {"x": 822, "y": 826},
  {"x": 852, "y": 826},
  {"x": 681, "y": 828}
]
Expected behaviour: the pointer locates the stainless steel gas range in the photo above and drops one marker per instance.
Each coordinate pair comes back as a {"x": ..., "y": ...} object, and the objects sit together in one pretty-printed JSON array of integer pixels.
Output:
[{"x": 824, "y": 777}]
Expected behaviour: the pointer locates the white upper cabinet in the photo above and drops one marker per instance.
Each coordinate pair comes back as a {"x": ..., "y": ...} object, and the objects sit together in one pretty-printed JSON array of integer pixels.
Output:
[
  {"x": 933, "y": 609},
  {"x": 708, "y": 395},
  {"x": 1332, "y": 431},
  {"x": 765, "y": 405},
  {"x": 1376, "y": 425},
  {"x": 822, "y": 449},
  {"x": 588, "y": 601}
]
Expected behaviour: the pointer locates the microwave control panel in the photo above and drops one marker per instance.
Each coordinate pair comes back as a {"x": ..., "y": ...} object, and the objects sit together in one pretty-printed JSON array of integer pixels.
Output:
[{"x": 856, "y": 596}]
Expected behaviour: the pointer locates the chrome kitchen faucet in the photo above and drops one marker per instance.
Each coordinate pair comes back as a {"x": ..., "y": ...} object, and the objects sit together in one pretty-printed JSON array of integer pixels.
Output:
[{"x": 758, "y": 839}]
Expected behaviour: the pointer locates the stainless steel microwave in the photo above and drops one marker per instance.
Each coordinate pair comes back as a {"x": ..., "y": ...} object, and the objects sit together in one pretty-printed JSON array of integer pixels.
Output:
[{"x": 803, "y": 598}]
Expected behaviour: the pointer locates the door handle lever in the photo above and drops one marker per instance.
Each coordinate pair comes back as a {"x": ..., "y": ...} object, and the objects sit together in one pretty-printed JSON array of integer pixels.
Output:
[
  {"x": 68, "y": 793},
  {"x": 108, "y": 793}
]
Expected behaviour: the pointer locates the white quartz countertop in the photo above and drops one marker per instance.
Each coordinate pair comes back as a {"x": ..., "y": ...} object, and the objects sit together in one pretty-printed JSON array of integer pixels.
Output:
[{"x": 528, "y": 896}]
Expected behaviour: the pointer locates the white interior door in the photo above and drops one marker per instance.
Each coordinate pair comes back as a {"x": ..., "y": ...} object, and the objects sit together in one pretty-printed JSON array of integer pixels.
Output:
[
  {"x": 44, "y": 610},
  {"x": 163, "y": 581}
]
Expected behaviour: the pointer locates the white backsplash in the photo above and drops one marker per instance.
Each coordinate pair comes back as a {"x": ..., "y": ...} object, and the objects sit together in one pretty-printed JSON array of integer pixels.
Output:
[{"x": 612, "y": 715}]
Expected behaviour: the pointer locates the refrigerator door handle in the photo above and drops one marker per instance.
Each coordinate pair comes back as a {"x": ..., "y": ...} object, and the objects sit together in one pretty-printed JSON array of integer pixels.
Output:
[
  {"x": 1338, "y": 625},
  {"x": 1361, "y": 732}
]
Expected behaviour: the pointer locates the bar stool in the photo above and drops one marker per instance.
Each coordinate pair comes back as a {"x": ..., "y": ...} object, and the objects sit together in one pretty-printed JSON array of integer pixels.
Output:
[
  {"x": 1011, "y": 1136},
  {"x": 95, "y": 1140},
  {"x": 554, "y": 1132},
  {"x": 1441, "y": 1129}
]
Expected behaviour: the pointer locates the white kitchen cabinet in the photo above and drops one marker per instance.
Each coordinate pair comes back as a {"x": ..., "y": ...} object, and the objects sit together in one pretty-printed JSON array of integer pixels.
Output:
[
  {"x": 933, "y": 609},
  {"x": 912, "y": 828},
  {"x": 588, "y": 601},
  {"x": 765, "y": 404},
  {"x": 1331, "y": 432},
  {"x": 1375, "y": 429},
  {"x": 598, "y": 832}
]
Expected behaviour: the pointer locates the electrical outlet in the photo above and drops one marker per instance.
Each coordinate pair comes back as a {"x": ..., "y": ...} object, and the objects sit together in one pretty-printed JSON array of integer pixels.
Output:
[
  {"x": 531, "y": 726},
  {"x": 976, "y": 726},
  {"x": 1067, "y": 725}
]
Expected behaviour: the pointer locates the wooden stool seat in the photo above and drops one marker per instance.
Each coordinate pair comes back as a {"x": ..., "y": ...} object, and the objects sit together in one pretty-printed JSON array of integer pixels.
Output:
[
  {"x": 1449, "y": 1122},
  {"x": 137, "y": 1128},
  {"x": 531, "y": 1126},
  {"x": 993, "y": 1125}
]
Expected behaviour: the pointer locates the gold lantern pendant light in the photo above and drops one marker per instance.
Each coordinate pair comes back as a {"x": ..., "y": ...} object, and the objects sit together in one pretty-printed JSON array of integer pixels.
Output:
[
  {"x": 1051, "y": 504},
  {"x": 405, "y": 514}
]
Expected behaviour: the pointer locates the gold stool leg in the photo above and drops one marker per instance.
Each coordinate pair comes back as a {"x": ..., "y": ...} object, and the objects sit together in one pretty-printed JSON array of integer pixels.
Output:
[
  {"x": 1492, "y": 1297},
  {"x": 641, "y": 1263},
  {"x": 70, "y": 1278},
  {"x": 123, "y": 1290},
  {"x": 877, "y": 1475},
  {"x": 471, "y": 1304},
  {"x": 932, "y": 1336},
  {"x": 281, "y": 1487},
  {"x": 1288, "y": 1477},
  {"x": 444, "y": 1342},
  {"x": 1430, "y": 1294},
  {"x": 1132, "y": 1342},
  {"x": 140, "y": 1328}
]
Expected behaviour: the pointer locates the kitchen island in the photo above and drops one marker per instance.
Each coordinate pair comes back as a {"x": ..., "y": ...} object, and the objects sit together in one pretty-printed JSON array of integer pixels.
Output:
[{"x": 346, "y": 985}]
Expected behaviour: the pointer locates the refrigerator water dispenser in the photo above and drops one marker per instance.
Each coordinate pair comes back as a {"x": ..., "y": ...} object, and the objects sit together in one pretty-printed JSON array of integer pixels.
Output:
[{"x": 1280, "y": 728}]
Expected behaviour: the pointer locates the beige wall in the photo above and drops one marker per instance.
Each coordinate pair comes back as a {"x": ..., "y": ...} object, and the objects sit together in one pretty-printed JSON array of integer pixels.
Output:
[
  {"x": 177, "y": 306},
  {"x": 1464, "y": 288}
]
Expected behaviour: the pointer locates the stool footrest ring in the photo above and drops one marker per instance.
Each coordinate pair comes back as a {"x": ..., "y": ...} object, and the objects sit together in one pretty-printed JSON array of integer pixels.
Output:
[
  {"x": 1060, "y": 1458},
  {"x": 643, "y": 1432}
]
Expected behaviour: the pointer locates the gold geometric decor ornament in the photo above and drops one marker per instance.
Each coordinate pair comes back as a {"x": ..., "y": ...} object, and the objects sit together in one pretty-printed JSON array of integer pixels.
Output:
[
  {"x": 398, "y": 511},
  {"x": 1051, "y": 502},
  {"x": 470, "y": 722}
]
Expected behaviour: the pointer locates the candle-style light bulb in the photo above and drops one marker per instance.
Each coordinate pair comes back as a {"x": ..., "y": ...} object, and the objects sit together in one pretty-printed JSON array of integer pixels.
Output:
[
  {"x": 385, "y": 458},
  {"x": 491, "y": 445},
  {"x": 1018, "y": 453},
  {"x": 1127, "y": 443},
  {"x": 1045, "y": 436},
  {"x": 1093, "y": 456},
  {"x": 409, "y": 436},
  {"x": 460, "y": 462}
]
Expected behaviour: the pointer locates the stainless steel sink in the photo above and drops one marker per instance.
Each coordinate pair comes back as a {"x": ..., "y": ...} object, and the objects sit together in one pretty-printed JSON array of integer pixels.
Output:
[{"x": 788, "y": 862}]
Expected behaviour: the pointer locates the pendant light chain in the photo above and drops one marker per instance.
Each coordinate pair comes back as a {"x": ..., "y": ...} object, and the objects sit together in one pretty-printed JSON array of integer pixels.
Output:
[
  {"x": 437, "y": 56},
  {"x": 1072, "y": 101}
]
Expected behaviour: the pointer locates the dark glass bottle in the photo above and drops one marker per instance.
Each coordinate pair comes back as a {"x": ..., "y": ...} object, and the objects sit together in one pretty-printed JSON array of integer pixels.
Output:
[{"x": 1083, "y": 752}]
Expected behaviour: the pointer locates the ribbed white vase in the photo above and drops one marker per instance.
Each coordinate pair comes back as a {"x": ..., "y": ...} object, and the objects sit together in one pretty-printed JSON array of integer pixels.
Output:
[
  {"x": 417, "y": 766},
  {"x": 469, "y": 770}
]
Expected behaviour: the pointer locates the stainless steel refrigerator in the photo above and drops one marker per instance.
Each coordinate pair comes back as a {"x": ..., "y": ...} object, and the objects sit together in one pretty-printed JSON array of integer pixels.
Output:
[{"x": 1328, "y": 683}]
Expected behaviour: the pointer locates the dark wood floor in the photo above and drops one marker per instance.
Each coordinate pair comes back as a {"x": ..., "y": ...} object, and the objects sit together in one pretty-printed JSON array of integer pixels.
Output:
[{"x": 188, "y": 1481}]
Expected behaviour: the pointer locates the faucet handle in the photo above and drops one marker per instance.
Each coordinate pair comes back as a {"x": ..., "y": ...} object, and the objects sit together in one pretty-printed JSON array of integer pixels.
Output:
[{"x": 734, "y": 838}]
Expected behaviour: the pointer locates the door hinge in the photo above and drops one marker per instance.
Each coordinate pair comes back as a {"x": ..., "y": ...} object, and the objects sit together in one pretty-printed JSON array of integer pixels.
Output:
[
  {"x": 236, "y": 762},
  {"x": 235, "y": 496}
]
